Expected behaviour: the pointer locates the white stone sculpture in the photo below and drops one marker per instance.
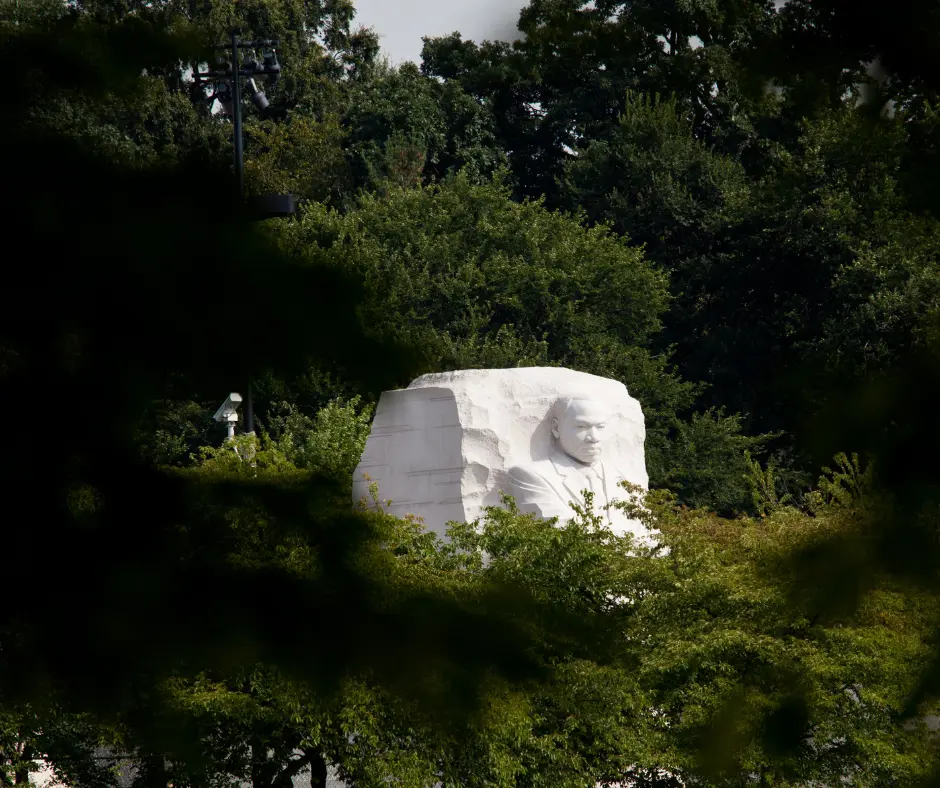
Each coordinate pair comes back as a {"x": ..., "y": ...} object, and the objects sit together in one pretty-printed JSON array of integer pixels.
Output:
[
  {"x": 451, "y": 443},
  {"x": 575, "y": 463}
]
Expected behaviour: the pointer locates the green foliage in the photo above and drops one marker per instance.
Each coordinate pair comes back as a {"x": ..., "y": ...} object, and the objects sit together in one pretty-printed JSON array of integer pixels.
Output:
[
  {"x": 812, "y": 272},
  {"x": 692, "y": 661},
  {"x": 700, "y": 666},
  {"x": 478, "y": 280},
  {"x": 483, "y": 262},
  {"x": 764, "y": 487},
  {"x": 781, "y": 215},
  {"x": 47, "y": 735},
  {"x": 833, "y": 689},
  {"x": 165, "y": 118},
  {"x": 707, "y": 460},
  {"x": 655, "y": 182},
  {"x": 566, "y": 79},
  {"x": 330, "y": 443},
  {"x": 818, "y": 51},
  {"x": 236, "y": 615},
  {"x": 320, "y": 49},
  {"x": 300, "y": 156},
  {"x": 155, "y": 126},
  {"x": 689, "y": 663},
  {"x": 406, "y": 128},
  {"x": 847, "y": 486},
  {"x": 151, "y": 574},
  {"x": 245, "y": 455},
  {"x": 842, "y": 279},
  {"x": 174, "y": 430}
]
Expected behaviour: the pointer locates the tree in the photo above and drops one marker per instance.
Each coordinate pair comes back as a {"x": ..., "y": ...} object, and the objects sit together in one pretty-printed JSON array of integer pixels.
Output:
[
  {"x": 139, "y": 578},
  {"x": 401, "y": 121},
  {"x": 699, "y": 660},
  {"x": 299, "y": 155},
  {"x": 791, "y": 692},
  {"x": 720, "y": 672},
  {"x": 659, "y": 186},
  {"x": 501, "y": 79},
  {"x": 821, "y": 51},
  {"x": 719, "y": 163},
  {"x": 481, "y": 281},
  {"x": 318, "y": 45},
  {"x": 810, "y": 276},
  {"x": 167, "y": 117},
  {"x": 824, "y": 280},
  {"x": 568, "y": 75},
  {"x": 67, "y": 743},
  {"x": 259, "y": 725}
]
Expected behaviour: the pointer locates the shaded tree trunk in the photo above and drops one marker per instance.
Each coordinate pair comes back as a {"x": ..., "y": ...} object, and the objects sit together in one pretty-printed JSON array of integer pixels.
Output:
[
  {"x": 285, "y": 778},
  {"x": 21, "y": 775},
  {"x": 317, "y": 770},
  {"x": 153, "y": 773}
]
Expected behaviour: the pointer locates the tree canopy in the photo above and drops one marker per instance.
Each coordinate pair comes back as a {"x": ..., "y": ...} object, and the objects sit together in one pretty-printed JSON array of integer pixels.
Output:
[{"x": 730, "y": 207}]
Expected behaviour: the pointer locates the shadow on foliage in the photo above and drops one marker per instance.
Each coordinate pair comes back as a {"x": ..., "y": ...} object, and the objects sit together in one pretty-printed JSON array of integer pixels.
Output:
[
  {"x": 890, "y": 533},
  {"x": 887, "y": 533},
  {"x": 117, "y": 280},
  {"x": 890, "y": 419}
]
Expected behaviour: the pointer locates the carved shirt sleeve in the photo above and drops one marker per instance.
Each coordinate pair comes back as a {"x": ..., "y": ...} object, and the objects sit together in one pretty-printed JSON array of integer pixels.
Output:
[{"x": 528, "y": 484}]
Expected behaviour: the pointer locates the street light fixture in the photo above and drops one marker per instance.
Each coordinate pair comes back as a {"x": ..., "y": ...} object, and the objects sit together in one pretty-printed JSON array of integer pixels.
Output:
[
  {"x": 228, "y": 413},
  {"x": 228, "y": 88},
  {"x": 223, "y": 94},
  {"x": 257, "y": 96},
  {"x": 227, "y": 79}
]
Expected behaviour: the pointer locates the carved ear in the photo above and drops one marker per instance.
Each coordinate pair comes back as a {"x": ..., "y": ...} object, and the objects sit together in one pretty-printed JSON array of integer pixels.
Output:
[{"x": 555, "y": 431}]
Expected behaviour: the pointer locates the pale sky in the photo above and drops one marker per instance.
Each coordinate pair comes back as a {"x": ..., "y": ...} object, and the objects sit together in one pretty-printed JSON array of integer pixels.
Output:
[{"x": 401, "y": 23}]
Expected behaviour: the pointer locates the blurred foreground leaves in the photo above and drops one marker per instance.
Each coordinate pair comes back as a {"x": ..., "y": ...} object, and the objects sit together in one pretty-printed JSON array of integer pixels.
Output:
[
  {"x": 135, "y": 281},
  {"x": 239, "y": 608}
]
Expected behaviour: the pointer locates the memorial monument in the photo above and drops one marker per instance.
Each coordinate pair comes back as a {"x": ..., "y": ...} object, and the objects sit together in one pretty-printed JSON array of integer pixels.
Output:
[
  {"x": 574, "y": 464},
  {"x": 451, "y": 443}
]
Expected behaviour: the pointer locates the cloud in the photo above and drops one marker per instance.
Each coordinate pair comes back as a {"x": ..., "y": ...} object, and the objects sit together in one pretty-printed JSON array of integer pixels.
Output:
[{"x": 402, "y": 24}]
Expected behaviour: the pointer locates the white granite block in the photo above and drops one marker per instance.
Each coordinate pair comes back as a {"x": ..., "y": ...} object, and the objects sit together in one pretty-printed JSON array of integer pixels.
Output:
[{"x": 446, "y": 446}]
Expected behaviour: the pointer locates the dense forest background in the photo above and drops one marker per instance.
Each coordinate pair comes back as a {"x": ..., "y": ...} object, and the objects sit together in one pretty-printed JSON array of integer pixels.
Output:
[{"x": 731, "y": 207}]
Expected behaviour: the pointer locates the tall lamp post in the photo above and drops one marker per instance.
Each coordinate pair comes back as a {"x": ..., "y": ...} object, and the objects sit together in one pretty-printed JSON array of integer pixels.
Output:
[{"x": 228, "y": 91}]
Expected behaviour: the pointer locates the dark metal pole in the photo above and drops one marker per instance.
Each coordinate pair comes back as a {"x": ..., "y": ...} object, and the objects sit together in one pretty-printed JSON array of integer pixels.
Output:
[
  {"x": 249, "y": 413},
  {"x": 237, "y": 116},
  {"x": 240, "y": 178}
]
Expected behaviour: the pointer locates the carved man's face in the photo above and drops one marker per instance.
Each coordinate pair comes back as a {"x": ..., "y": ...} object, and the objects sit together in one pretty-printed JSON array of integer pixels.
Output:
[{"x": 581, "y": 430}]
